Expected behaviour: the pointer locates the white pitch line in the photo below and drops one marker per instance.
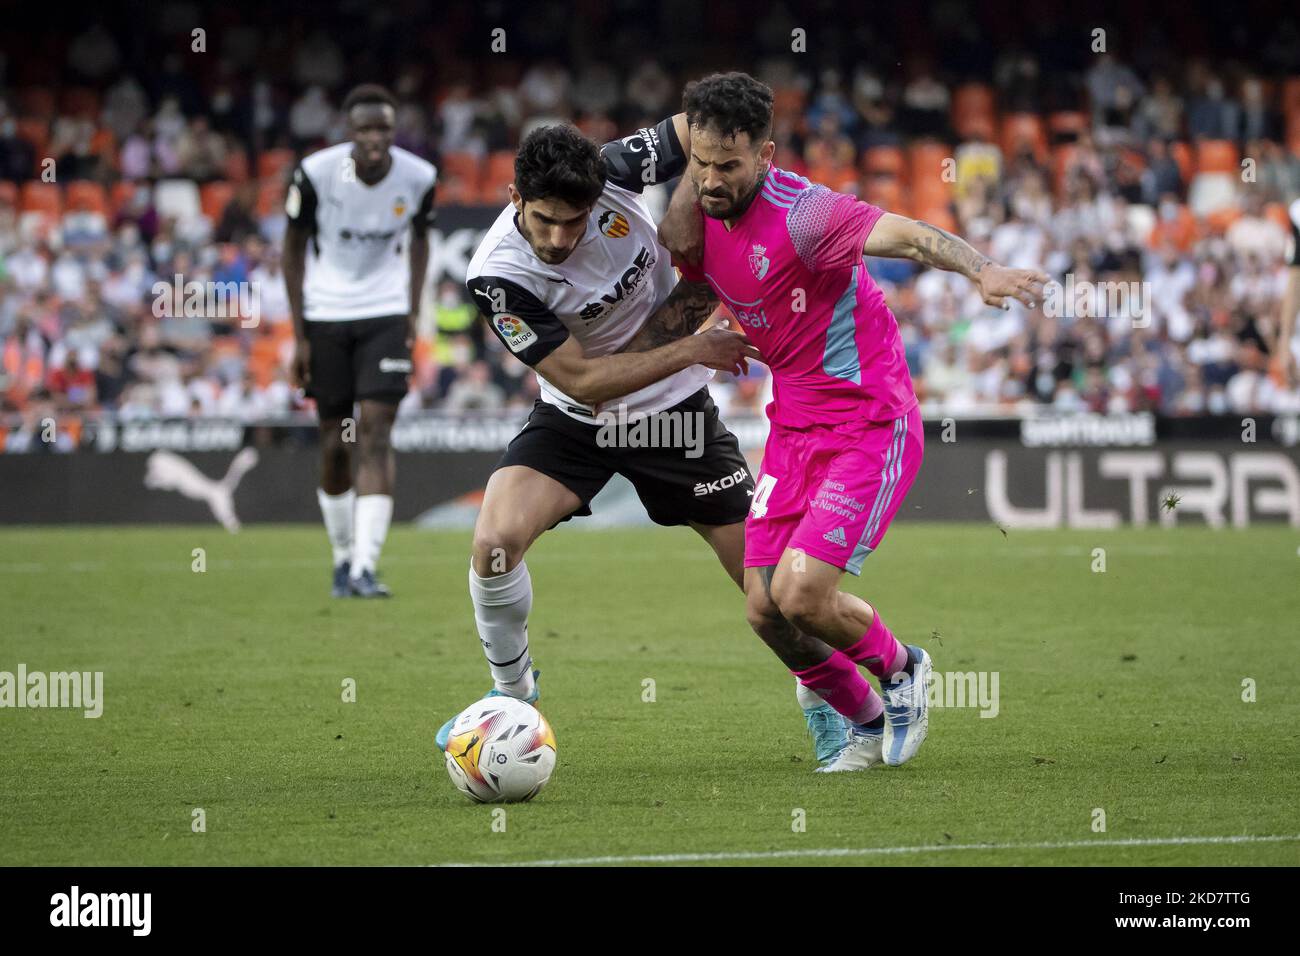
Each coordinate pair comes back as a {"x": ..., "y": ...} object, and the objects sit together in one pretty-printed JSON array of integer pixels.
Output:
[{"x": 885, "y": 851}]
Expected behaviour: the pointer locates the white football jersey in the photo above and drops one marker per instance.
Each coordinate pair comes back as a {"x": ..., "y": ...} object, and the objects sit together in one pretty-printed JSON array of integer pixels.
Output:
[
  {"x": 601, "y": 295},
  {"x": 358, "y": 256}
]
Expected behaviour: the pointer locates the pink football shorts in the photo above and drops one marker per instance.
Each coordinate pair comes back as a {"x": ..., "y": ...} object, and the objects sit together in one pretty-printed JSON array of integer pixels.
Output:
[{"x": 831, "y": 490}]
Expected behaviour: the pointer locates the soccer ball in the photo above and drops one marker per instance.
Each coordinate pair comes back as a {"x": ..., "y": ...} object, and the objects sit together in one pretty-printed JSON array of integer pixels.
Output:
[{"x": 501, "y": 750}]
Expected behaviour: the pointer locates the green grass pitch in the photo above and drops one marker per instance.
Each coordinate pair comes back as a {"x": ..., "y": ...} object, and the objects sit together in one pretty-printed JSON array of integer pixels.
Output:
[{"x": 1119, "y": 691}]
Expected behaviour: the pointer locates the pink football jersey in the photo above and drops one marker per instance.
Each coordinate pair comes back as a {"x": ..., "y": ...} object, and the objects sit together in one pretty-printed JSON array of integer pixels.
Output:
[{"x": 792, "y": 273}]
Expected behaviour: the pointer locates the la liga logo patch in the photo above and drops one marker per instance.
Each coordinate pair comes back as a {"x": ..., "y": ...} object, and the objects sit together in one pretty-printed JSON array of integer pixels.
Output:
[
  {"x": 613, "y": 224},
  {"x": 514, "y": 331}
]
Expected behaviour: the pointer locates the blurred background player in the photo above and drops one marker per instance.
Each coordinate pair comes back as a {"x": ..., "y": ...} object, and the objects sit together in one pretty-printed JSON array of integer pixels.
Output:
[
  {"x": 355, "y": 253},
  {"x": 1286, "y": 351},
  {"x": 846, "y": 439}
]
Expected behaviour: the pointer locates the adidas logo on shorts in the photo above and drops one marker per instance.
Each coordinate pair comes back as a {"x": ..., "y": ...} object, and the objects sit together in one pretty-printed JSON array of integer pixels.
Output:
[
  {"x": 394, "y": 365},
  {"x": 836, "y": 538}
]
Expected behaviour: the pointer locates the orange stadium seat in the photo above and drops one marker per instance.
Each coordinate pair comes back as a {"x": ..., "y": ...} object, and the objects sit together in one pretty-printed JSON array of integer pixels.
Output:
[
  {"x": 925, "y": 161},
  {"x": 461, "y": 166},
  {"x": 8, "y": 193},
  {"x": 214, "y": 197},
  {"x": 886, "y": 160},
  {"x": 1275, "y": 212},
  {"x": 1293, "y": 134},
  {"x": 42, "y": 197},
  {"x": 85, "y": 196},
  {"x": 499, "y": 174},
  {"x": 788, "y": 101},
  {"x": 1290, "y": 95},
  {"x": 974, "y": 113},
  {"x": 270, "y": 197},
  {"x": 1217, "y": 156},
  {"x": 237, "y": 166},
  {"x": 454, "y": 191},
  {"x": 1022, "y": 128},
  {"x": 273, "y": 163},
  {"x": 1182, "y": 154},
  {"x": 120, "y": 195}
]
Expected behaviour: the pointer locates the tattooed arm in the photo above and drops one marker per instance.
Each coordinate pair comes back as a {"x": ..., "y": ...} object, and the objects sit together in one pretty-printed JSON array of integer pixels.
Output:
[
  {"x": 900, "y": 238},
  {"x": 683, "y": 312}
]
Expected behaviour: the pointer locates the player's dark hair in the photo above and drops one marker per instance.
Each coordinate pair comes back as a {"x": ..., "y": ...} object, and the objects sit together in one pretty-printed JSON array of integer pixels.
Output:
[
  {"x": 730, "y": 104},
  {"x": 558, "y": 162},
  {"x": 368, "y": 93}
]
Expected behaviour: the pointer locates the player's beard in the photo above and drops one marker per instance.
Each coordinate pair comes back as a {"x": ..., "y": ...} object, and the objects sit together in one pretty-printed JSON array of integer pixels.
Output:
[
  {"x": 738, "y": 208},
  {"x": 552, "y": 257}
]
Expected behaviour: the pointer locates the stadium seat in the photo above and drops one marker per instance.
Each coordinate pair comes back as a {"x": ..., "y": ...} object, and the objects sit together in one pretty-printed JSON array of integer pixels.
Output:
[
  {"x": 177, "y": 199},
  {"x": 119, "y": 195},
  {"x": 462, "y": 168},
  {"x": 41, "y": 197},
  {"x": 1065, "y": 126},
  {"x": 1182, "y": 154},
  {"x": 8, "y": 193},
  {"x": 925, "y": 161},
  {"x": 884, "y": 160},
  {"x": 1276, "y": 213},
  {"x": 789, "y": 101},
  {"x": 1290, "y": 95},
  {"x": 841, "y": 179},
  {"x": 270, "y": 198},
  {"x": 237, "y": 166},
  {"x": 499, "y": 174},
  {"x": 1293, "y": 134},
  {"x": 974, "y": 113},
  {"x": 1021, "y": 128},
  {"x": 1217, "y": 156},
  {"x": 85, "y": 196},
  {"x": 274, "y": 163},
  {"x": 214, "y": 197}
]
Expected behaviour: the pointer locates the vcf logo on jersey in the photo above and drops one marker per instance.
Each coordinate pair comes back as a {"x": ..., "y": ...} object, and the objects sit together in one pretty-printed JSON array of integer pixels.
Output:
[
  {"x": 628, "y": 286},
  {"x": 514, "y": 330},
  {"x": 758, "y": 261},
  {"x": 613, "y": 225}
]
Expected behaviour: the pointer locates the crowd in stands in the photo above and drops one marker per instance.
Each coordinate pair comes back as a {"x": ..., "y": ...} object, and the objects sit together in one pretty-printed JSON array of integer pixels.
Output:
[{"x": 129, "y": 163}]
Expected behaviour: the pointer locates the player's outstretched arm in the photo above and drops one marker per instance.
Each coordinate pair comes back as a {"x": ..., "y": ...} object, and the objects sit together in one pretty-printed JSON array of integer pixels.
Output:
[
  {"x": 593, "y": 381},
  {"x": 687, "y": 308},
  {"x": 898, "y": 237}
]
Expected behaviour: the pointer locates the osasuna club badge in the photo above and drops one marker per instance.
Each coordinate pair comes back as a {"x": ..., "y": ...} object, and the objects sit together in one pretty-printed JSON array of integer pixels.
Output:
[
  {"x": 758, "y": 261},
  {"x": 613, "y": 225},
  {"x": 515, "y": 331}
]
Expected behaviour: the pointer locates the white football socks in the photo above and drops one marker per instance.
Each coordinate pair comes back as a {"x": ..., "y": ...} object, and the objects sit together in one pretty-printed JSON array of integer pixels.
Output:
[
  {"x": 374, "y": 512},
  {"x": 501, "y": 606},
  {"x": 807, "y": 697},
  {"x": 337, "y": 512}
]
